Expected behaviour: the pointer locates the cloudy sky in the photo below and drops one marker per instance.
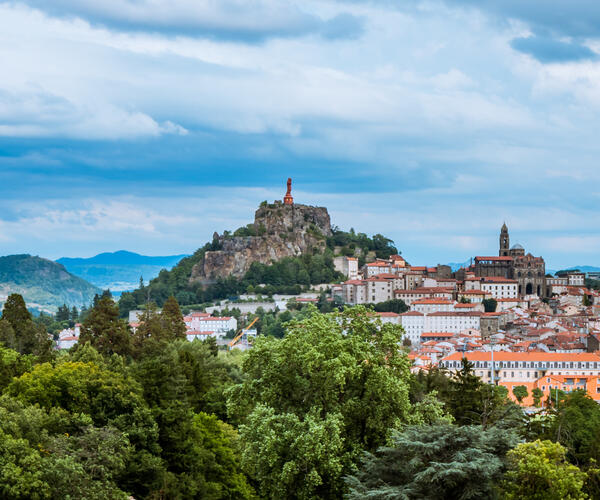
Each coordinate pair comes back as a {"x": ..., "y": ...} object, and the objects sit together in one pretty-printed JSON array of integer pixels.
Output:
[{"x": 146, "y": 125}]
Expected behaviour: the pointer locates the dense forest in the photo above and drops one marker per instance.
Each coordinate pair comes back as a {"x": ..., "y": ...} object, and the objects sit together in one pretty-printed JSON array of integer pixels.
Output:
[
  {"x": 290, "y": 275},
  {"x": 329, "y": 410}
]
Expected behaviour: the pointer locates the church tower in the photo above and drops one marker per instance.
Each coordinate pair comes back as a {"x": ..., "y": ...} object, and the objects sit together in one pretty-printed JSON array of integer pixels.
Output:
[{"x": 504, "y": 241}]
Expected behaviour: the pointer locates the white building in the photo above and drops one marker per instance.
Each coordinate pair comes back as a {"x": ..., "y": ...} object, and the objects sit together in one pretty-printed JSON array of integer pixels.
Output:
[
  {"x": 375, "y": 268},
  {"x": 68, "y": 337},
  {"x": 427, "y": 306},
  {"x": 454, "y": 322},
  {"x": 348, "y": 266},
  {"x": 354, "y": 292},
  {"x": 500, "y": 288},
  {"x": 204, "y": 322},
  {"x": 413, "y": 323}
]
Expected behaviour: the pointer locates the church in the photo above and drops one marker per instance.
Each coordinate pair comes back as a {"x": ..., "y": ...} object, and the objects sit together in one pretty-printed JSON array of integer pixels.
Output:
[{"x": 514, "y": 263}]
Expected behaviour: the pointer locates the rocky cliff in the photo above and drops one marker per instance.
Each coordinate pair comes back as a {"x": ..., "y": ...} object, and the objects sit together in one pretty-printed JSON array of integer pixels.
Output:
[{"x": 280, "y": 231}]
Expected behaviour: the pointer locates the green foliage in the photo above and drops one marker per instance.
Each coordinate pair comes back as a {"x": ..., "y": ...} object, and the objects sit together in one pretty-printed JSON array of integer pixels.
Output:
[
  {"x": 42, "y": 282},
  {"x": 539, "y": 471},
  {"x": 489, "y": 305},
  {"x": 339, "y": 373},
  {"x": 108, "y": 398},
  {"x": 289, "y": 275},
  {"x": 292, "y": 456},
  {"x": 468, "y": 399},
  {"x": 105, "y": 330},
  {"x": 576, "y": 425},
  {"x": 18, "y": 331},
  {"x": 397, "y": 306},
  {"x": 382, "y": 246},
  {"x": 157, "y": 329},
  {"x": 12, "y": 364},
  {"x": 537, "y": 396},
  {"x": 520, "y": 392},
  {"x": 439, "y": 462}
]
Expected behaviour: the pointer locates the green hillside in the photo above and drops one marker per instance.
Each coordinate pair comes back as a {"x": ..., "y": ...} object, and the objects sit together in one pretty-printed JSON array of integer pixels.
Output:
[
  {"x": 44, "y": 284},
  {"x": 290, "y": 275}
]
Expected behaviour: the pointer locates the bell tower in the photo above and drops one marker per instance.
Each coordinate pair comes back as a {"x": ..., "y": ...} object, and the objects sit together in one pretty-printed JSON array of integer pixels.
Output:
[{"x": 504, "y": 241}]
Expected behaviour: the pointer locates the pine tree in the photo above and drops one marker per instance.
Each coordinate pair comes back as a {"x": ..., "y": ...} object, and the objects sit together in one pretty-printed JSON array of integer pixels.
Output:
[
  {"x": 63, "y": 313},
  {"x": 15, "y": 311},
  {"x": 29, "y": 338},
  {"x": 438, "y": 462},
  {"x": 172, "y": 319},
  {"x": 104, "y": 329}
]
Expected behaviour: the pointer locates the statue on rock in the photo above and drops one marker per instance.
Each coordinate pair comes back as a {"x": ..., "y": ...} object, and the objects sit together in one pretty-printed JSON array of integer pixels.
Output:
[{"x": 288, "y": 199}]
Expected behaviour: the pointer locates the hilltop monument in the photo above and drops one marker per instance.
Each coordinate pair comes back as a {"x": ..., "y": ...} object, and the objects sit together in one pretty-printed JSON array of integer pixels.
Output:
[
  {"x": 288, "y": 199},
  {"x": 280, "y": 229}
]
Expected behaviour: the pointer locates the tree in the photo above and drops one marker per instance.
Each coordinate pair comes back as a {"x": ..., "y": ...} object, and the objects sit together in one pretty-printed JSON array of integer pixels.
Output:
[
  {"x": 63, "y": 313},
  {"x": 397, "y": 306},
  {"x": 7, "y": 334},
  {"x": 172, "y": 319},
  {"x": 15, "y": 311},
  {"x": 577, "y": 426},
  {"x": 339, "y": 373},
  {"x": 436, "y": 462},
  {"x": 87, "y": 465},
  {"x": 471, "y": 401},
  {"x": 105, "y": 330},
  {"x": 490, "y": 305},
  {"x": 539, "y": 470},
  {"x": 12, "y": 364},
  {"x": 520, "y": 392},
  {"x": 27, "y": 337},
  {"x": 537, "y": 394},
  {"x": 106, "y": 398}
]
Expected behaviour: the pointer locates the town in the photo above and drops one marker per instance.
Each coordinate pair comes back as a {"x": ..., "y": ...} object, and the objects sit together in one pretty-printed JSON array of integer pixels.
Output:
[{"x": 519, "y": 326}]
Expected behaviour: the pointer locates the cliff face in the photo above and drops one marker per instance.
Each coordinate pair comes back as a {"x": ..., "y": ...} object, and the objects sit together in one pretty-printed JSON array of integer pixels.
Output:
[{"x": 282, "y": 231}]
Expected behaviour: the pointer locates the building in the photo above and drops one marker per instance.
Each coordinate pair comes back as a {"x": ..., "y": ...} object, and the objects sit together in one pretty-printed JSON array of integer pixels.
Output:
[
  {"x": 204, "y": 322},
  {"x": 574, "y": 278},
  {"x": 500, "y": 288},
  {"x": 544, "y": 370},
  {"x": 348, "y": 266},
  {"x": 513, "y": 263}
]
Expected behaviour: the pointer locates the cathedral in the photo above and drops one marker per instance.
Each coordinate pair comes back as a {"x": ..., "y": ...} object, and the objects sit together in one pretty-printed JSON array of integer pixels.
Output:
[{"x": 514, "y": 263}]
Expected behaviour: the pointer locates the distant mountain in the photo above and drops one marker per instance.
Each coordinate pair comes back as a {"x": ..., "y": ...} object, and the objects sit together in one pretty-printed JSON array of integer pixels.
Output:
[
  {"x": 455, "y": 266},
  {"x": 583, "y": 269},
  {"x": 120, "y": 270},
  {"x": 44, "y": 284}
]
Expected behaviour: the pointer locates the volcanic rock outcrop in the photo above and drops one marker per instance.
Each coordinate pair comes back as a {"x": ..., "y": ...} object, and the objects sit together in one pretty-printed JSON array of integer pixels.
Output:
[{"x": 282, "y": 230}]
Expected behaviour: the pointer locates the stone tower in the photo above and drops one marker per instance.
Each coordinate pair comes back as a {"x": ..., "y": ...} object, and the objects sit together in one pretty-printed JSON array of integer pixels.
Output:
[{"x": 504, "y": 242}]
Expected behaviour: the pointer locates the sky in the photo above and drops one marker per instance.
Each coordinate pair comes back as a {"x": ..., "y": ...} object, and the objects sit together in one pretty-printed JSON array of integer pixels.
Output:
[{"x": 147, "y": 125}]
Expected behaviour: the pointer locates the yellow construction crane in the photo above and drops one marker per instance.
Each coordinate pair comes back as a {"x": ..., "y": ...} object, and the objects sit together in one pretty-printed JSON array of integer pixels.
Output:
[{"x": 240, "y": 335}]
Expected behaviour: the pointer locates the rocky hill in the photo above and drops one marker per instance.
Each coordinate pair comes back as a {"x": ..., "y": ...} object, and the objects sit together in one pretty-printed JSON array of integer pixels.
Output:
[
  {"x": 278, "y": 231},
  {"x": 44, "y": 284}
]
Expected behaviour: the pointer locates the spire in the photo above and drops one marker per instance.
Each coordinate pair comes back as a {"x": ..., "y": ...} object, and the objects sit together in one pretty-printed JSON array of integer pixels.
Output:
[
  {"x": 288, "y": 199},
  {"x": 504, "y": 228}
]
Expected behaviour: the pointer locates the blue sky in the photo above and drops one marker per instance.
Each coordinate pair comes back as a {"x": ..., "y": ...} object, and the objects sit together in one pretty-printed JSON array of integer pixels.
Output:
[{"x": 147, "y": 125}]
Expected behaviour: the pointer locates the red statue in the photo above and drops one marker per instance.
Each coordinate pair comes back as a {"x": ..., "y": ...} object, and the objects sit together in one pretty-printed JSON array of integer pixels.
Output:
[{"x": 287, "y": 199}]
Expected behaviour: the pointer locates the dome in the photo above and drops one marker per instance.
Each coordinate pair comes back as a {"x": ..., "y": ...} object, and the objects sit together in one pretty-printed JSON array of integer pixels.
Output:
[{"x": 517, "y": 247}]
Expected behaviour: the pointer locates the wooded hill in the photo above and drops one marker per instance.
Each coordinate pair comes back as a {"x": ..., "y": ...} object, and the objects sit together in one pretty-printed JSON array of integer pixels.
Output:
[
  {"x": 44, "y": 284},
  {"x": 289, "y": 275}
]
